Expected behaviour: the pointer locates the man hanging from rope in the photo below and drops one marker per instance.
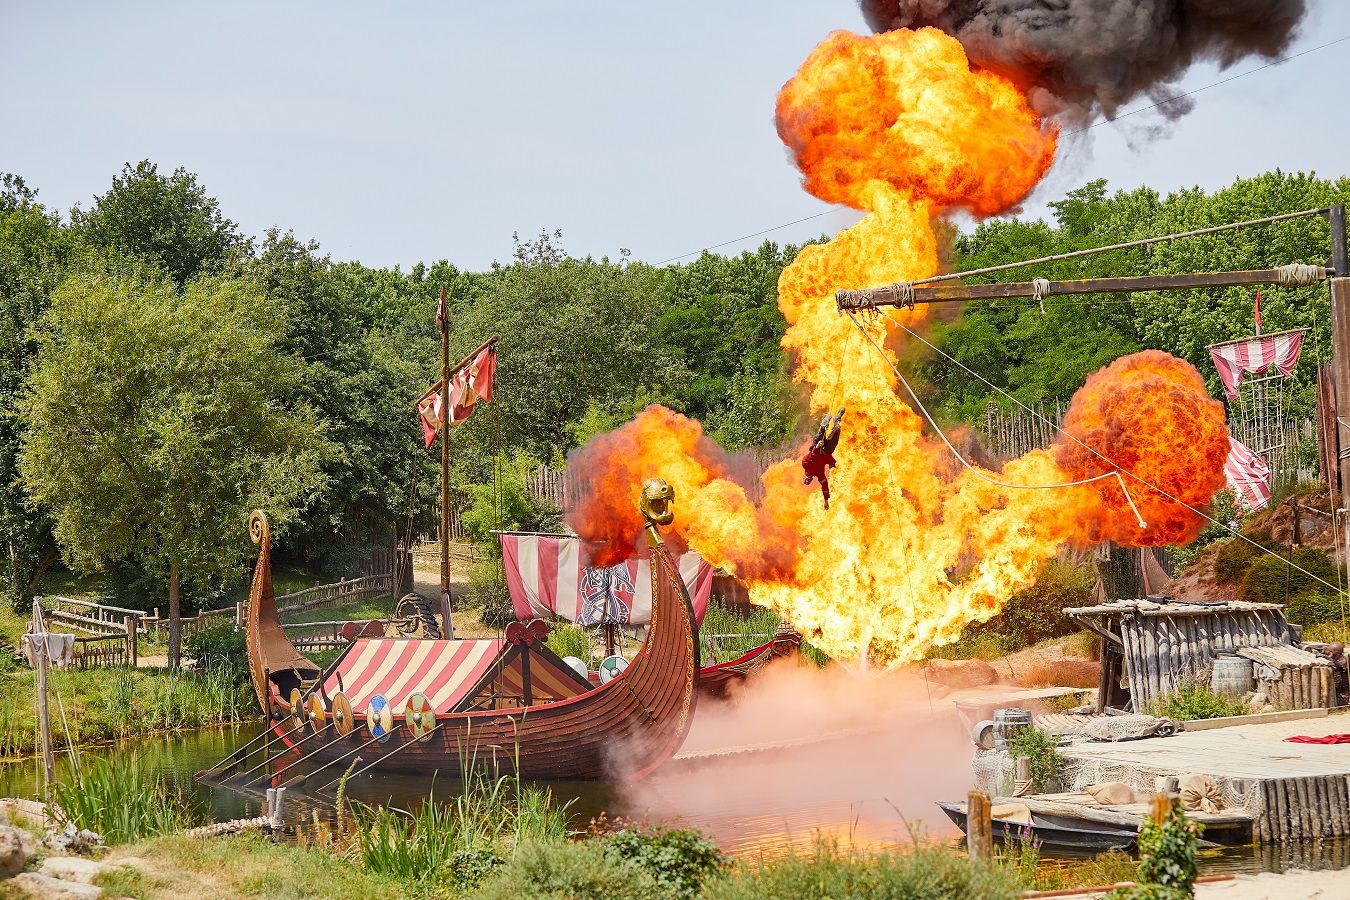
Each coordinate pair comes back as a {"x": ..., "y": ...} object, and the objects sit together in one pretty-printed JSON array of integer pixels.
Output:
[{"x": 818, "y": 460}]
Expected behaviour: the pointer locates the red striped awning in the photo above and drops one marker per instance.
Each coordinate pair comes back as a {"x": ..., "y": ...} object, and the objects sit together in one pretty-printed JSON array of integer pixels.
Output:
[{"x": 443, "y": 670}]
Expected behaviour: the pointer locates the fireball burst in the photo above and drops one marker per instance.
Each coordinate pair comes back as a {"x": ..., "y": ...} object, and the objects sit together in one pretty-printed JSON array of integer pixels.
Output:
[{"x": 915, "y": 547}]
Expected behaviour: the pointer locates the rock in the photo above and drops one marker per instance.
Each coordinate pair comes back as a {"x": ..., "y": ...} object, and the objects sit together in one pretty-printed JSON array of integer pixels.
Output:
[
  {"x": 72, "y": 868},
  {"x": 961, "y": 673},
  {"x": 45, "y": 887},
  {"x": 15, "y": 848},
  {"x": 72, "y": 841}
]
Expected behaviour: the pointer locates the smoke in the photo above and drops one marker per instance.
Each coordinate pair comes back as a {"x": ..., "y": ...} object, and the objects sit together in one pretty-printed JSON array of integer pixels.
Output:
[
  {"x": 1077, "y": 59},
  {"x": 805, "y": 751}
]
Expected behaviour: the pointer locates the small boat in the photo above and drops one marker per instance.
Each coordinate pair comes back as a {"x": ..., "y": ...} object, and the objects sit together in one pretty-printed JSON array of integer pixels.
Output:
[
  {"x": 717, "y": 680},
  {"x": 1047, "y": 831}
]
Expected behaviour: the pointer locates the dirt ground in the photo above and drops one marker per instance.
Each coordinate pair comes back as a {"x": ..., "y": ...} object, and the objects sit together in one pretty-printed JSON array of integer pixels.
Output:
[{"x": 1292, "y": 885}]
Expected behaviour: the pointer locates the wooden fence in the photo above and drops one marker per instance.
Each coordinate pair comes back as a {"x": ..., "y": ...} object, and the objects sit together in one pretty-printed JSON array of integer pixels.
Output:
[
  {"x": 337, "y": 594},
  {"x": 104, "y": 651},
  {"x": 310, "y": 636}
]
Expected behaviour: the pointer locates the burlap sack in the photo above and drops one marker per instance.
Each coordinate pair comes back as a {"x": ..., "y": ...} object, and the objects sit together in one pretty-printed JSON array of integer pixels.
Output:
[{"x": 1112, "y": 793}]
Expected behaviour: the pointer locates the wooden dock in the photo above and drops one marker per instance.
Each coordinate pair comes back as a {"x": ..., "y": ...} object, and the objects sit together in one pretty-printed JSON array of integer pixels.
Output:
[{"x": 1289, "y": 791}]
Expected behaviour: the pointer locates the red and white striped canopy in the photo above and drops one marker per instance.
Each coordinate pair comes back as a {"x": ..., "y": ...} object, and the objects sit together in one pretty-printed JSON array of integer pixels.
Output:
[
  {"x": 546, "y": 578},
  {"x": 1248, "y": 475},
  {"x": 1233, "y": 359},
  {"x": 443, "y": 670}
]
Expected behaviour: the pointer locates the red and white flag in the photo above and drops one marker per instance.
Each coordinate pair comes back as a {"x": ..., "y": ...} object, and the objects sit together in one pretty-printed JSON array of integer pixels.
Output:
[
  {"x": 1234, "y": 359},
  {"x": 471, "y": 383},
  {"x": 429, "y": 412},
  {"x": 442, "y": 314},
  {"x": 546, "y": 577},
  {"x": 1248, "y": 475}
]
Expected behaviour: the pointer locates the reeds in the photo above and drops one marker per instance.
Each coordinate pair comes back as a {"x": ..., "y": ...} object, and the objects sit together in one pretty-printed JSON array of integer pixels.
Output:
[
  {"x": 116, "y": 799},
  {"x": 730, "y": 635},
  {"x": 570, "y": 640}
]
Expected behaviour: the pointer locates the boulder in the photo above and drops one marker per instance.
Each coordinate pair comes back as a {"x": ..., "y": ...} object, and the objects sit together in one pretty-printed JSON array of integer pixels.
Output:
[
  {"x": 15, "y": 849},
  {"x": 72, "y": 868},
  {"x": 45, "y": 887},
  {"x": 961, "y": 673}
]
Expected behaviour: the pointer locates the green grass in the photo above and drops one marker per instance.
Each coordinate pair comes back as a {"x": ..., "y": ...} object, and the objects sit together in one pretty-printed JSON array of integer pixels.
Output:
[
  {"x": 116, "y": 799},
  {"x": 750, "y": 633},
  {"x": 569, "y": 640},
  {"x": 1195, "y": 700},
  {"x": 105, "y": 704},
  {"x": 370, "y": 608}
]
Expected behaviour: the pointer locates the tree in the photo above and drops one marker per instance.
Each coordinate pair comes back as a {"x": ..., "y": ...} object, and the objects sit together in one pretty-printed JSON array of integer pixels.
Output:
[
  {"x": 170, "y": 221},
  {"x": 156, "y": 419}
]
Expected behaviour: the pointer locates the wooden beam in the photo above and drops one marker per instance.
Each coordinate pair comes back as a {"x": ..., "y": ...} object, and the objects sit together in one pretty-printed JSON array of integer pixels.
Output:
[{"x": 954, "y": 292}]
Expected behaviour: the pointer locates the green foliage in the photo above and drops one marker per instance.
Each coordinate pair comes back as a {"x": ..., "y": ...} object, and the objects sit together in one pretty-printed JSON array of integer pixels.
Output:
[
  {"x": 555, "y": 870},
  {"x": 1316, "y": 605},
  {"x": 1195, "y": 700},
  {"x": 115, "y": 798},
  {"x": 924, "y": 873},
  {"x": 487, "y": 589},
  {"x": 759, "y": 410},
  {"x": 1266, "y": 578},
  {"x": 1029, "y": 616},
  {"x": 169, "y": 220},
  {"x": 459, "y": 844},
  {"x": 733, "y": 635},
  {"x": 1224, "y": 510},
  {"x": 569, "y": 640},
  {"x": 1236, "y": 556},
  {"x": 1167, "y": 852},
  {"x": 1039, "y": 746},
  {"x": 221, "y": 649},
  {"x": 680, "y": 859},
  {"x": 503, "y": 503}
]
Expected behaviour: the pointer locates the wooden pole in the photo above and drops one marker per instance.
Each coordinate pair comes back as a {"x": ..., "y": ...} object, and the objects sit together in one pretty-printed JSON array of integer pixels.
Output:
[
  {"x": 979, "y": 826},
  {"x": 44, "y": 717},
  {"x": 443, "y": 320}
]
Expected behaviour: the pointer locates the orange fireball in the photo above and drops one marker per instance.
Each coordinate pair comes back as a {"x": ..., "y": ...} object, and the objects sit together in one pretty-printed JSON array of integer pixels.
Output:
[{"x": 916, "y": 547}]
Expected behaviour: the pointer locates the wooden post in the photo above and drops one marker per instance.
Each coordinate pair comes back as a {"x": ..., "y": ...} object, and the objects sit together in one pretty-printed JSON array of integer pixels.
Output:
[
  {"x": 44, "y": 717},
  {"x": 979, "y": 826},
  {"x": 130, "y": 623},
  {"x": 1162, "y": 805},
  {"x": 443, "y": 320}
]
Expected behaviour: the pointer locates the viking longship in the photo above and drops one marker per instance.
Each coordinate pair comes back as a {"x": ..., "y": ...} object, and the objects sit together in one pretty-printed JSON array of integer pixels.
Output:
[{"x": 421, "y": 706}]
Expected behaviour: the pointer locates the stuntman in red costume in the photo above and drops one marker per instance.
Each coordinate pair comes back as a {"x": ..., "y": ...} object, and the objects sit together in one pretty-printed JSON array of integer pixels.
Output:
[{"x": 818, "y": 460}]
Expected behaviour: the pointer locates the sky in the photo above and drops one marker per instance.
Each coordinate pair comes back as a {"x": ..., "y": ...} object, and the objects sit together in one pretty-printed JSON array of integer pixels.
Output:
[{"x": 404, "y": 132}]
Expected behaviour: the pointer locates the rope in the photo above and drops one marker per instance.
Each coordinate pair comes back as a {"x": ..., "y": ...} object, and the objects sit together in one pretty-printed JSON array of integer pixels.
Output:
[
  {"x": 1095, "y": 452},
  {"x": 975, "y": 469},
  {"x": 1301, "y": 275},
  {"x": 1129, "y": 245}
]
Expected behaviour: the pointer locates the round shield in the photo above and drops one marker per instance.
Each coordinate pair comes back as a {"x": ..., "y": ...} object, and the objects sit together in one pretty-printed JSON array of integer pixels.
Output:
[
  {"x": 577, "y": 665},
  {"x": 298, "y": 715},
  {"x": 611, "y": 667},
  {"x": 315, "y": 712},
  {"x": 420, "y": 716},
  {"x": 342, "y": 714},
  {"x": 379, "y": 718}
]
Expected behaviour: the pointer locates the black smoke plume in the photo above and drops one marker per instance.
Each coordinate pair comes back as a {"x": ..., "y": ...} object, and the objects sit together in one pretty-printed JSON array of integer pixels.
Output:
[{"x": 1078, "y": 59}]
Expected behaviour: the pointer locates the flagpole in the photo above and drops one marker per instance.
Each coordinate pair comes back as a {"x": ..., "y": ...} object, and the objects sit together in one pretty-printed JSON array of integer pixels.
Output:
[{"x": 444, "y": 321}]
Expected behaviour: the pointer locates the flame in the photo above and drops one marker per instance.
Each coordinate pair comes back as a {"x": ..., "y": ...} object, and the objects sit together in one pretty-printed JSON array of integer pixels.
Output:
[{"x": 914, "y": 547}]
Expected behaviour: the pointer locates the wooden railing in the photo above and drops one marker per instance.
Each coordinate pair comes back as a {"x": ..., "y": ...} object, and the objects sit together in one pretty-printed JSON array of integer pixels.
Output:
[
  {"x": 337, "y": 594},
  {"x": 96, "y": 618},
  {"x": 428, "y": 553},
  {"x": 318, "y": 635},
  {"x": 103, "y": 651}
]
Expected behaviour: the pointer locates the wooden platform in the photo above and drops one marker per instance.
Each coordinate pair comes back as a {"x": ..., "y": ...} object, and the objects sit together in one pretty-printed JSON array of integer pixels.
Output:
[{"x": 1302, "y": 791}]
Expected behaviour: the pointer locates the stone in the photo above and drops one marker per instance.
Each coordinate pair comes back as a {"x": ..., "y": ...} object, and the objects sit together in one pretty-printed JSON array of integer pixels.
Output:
[
  {"x": 71, "y": 868},
  {"x": 961, "y": 673},
  {"x": 15, "y": 848},
  {"x": 45, "y": 887}
]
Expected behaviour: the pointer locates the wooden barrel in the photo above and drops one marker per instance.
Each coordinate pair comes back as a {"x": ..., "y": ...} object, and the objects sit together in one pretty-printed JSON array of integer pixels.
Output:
[
  {"x": 1008, "y": 722},
  {"x": 1232, "y": 676}
]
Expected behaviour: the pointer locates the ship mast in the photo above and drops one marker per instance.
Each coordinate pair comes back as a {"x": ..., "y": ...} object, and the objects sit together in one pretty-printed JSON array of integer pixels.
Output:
[{"x": 443, "y": 320}]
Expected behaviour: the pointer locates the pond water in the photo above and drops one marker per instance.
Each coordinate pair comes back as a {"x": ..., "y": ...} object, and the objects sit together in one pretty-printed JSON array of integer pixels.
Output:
[{"x": 813, "y": 755}]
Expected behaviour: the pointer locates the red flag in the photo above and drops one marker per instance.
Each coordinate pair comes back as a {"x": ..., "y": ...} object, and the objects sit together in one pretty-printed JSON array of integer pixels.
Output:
[
  {"x": 1257, "y": 311},
  {"x": 429, "y": 411},
  {"x": 472, "y": 383},
  {"x": 442, "y": 315}
]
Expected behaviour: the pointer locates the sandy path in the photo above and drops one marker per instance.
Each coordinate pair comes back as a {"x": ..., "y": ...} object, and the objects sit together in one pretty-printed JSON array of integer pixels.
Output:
[{"x": 1293, "y": 885}]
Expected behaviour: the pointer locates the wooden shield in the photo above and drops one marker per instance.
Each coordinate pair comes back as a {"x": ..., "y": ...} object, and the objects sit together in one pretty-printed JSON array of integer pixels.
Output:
[
  {"x": 298, "y": 715},
  {"x": 420, "y": 716},
  {"x": 342, "y": 714},
  {"x": 318, "y": 716},
  {"x": 379, "y": 718}
]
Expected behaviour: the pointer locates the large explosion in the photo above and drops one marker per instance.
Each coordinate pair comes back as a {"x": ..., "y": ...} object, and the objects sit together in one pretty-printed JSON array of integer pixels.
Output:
[{"x": 915, "y": 546}]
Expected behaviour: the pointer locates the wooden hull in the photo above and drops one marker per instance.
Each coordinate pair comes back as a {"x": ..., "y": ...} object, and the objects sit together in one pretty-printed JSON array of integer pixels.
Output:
[
  {"x": 623, "y": 729},
  {"x": 717, "y": 681},
  {"x": 1051, "y": 833}
]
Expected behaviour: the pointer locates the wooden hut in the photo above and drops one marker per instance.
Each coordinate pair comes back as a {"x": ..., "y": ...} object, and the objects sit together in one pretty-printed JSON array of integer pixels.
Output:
[{"x": 1150, "y": 647}]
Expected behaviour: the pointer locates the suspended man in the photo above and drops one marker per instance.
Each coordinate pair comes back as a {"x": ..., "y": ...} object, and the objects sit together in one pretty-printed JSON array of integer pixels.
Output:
[{"x": 820, "y": 458}]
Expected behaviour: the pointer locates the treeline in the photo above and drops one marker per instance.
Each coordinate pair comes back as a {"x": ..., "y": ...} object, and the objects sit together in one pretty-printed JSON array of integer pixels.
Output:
[{"x": 163, "y": 373}]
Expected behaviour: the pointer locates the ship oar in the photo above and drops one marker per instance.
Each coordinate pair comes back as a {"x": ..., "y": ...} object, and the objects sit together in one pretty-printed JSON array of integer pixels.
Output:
[
  {"x": 300, "y": 781},
  {"x": 292, "y": 765},
  {"x": 401, "y": 747},
  {"x": 237, "y": 779},
  {"x": 239, "y": 755}
]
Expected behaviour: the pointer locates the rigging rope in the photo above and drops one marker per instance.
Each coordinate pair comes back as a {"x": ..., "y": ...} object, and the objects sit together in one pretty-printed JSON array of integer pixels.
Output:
[
  {"x": 1092, "y": 450},
  {"x": 975, "y": 469}
]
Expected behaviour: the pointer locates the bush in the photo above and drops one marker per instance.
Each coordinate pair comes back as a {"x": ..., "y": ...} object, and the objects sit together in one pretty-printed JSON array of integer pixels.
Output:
[
  {"x": 1039, "y": 746},
  {"x": 487, "y": 589},
  {"x": 1033, "y": 615},
  {"x": 680, "y": 860},
  {"x": 556, "y": 870},
  {"x": 569, "y": 640},
  {"x": 1233, "y": 560},
  {"x": 1266, "y": 577},
  {"x": 220, "y": 648},
  {"x": 1195, "y": 700},
  {"x": 925, "y": 873},
  {"x": 505, "y": 504},
  {"x": 1315, "y": 605},
  {"x": 1082, "y": 673}
]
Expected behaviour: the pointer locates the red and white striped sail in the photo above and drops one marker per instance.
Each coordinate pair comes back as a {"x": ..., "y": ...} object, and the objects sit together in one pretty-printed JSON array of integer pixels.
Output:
[
  {"x": 1248, "y": 475},
  {"x": 1234, "y": 359},
  {"x": 546, "y": 577}
]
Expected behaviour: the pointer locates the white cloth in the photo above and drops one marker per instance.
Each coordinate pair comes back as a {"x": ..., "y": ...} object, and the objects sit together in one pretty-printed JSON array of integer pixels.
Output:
[{"x": 60, "y": 648}]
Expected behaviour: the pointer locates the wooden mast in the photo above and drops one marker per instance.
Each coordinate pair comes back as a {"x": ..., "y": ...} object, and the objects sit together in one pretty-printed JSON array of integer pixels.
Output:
[{"x": 443, "y": 320}]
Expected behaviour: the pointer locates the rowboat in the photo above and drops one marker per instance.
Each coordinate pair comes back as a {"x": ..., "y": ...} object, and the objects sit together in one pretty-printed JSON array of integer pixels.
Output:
[
  {"x": 1050, "y": 832},
  {"x": 424, "y": 706}
]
